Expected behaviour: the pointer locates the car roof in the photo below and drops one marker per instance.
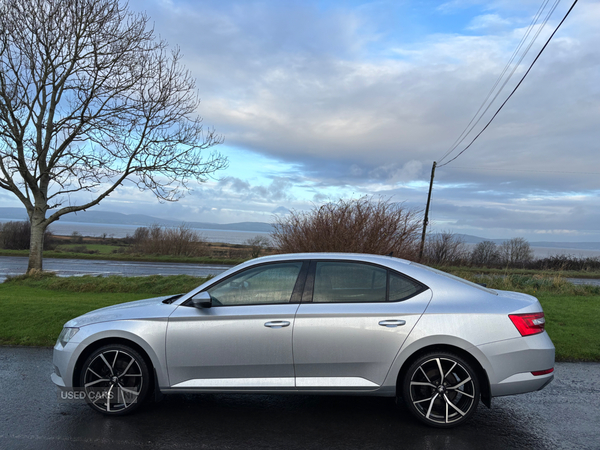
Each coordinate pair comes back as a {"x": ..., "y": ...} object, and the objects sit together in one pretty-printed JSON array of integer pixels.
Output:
[{"x": 366, "y": 257}]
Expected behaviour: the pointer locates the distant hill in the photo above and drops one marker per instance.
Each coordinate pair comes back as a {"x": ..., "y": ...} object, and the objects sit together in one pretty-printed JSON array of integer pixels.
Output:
[
  {"x": 114, "y": 218},
  {"x": 142, "y": 220}
]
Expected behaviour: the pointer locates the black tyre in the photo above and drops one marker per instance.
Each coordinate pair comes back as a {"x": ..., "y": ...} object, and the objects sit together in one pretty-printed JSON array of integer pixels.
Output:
[
  {"x": 441, "y": 389},
  {"x": 115, "y": 379}
]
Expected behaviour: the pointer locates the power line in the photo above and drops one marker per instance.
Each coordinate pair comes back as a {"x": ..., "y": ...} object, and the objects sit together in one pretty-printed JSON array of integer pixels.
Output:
[
  {"x": 425, "y": 221},
  {"x": 515, "y": 88},
  {"x": 469, "y": 128}
]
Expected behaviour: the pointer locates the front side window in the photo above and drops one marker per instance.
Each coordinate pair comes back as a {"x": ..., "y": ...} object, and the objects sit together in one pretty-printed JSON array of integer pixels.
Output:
[
  {"x": 273, "y": 283},
  {"x": 337, "y": 282}
]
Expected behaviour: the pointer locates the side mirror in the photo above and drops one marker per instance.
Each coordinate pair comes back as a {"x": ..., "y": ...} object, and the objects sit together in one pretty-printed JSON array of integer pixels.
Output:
[{"x": 202, "y": 300}]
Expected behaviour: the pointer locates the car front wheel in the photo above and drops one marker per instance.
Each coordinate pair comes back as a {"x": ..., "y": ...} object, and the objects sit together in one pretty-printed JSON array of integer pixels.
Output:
[
  {"x": 115, "y": 379},
  {"x": 441, "y": 389}
]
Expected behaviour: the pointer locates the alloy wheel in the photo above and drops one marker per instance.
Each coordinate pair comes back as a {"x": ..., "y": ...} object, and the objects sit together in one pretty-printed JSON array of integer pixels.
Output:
[
  {"x": 115, "y": 380},
  {"x": 441, "y": 390}
]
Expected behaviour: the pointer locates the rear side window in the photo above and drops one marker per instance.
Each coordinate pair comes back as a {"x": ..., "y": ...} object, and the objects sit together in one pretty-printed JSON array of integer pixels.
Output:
[
  {"x": 337, "y": 282},
  {"x": 350, "y": 282},
  {"x": 402, "y": 288}
]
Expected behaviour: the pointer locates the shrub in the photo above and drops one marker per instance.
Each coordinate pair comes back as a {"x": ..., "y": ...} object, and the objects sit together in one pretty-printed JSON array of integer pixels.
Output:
[
  {"x": 257, "y": 244},
  {"x": 76, "y": 237},
  {"x": 17, "y": 236},
  {"x": 157, "y": 240},
  {"x": 80, "y": 249},
  {"x": 364, "y": 225}
]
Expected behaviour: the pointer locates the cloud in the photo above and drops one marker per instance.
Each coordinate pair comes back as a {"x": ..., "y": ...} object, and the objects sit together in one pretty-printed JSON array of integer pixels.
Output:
[
  {"x": 356, "y": 113},
  {"x": 277, "y": 191},
  {"x": 281, "y": 210},
  {"x": 489, "y": 22}
]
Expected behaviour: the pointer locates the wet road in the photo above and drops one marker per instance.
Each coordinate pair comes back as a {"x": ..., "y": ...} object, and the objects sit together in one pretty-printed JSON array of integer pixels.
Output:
[
  {"x": 16, "y": 265},
  {"x": 565, "y": 415}
]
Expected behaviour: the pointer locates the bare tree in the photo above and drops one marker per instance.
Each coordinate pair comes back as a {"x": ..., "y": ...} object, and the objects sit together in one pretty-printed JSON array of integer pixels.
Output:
[
  {"x": 445, "y": 248},
  {"x": 89, "y": 98},
  {"x": 485, "y": 253},
  {"x": 515, "y": 251},
  {"x": 257, "y": 244},
  {"x": 364, "y": 225}
]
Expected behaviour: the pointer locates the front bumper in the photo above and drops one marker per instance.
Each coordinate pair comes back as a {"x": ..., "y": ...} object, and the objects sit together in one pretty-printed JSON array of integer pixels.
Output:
[{"x": 64, "y": 364}]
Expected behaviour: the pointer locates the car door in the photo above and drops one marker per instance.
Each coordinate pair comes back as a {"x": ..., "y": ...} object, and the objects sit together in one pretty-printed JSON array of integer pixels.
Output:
[
  {"x": 353, "y": 319},
  {"x": 245, "y": 339}
]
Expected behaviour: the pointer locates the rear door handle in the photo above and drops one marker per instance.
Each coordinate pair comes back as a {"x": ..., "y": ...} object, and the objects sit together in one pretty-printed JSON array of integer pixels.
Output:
[
  {"x": 392, "y": 323},
  {"x": 277, "y": 324}
]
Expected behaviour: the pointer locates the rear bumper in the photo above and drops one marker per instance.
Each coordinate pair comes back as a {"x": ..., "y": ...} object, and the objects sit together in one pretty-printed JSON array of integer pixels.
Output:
[{"x": 512, "y": 362}]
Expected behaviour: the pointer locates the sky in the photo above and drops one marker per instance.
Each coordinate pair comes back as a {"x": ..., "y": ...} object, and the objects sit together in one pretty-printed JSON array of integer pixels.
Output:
[{"x": 322, "y": 100}]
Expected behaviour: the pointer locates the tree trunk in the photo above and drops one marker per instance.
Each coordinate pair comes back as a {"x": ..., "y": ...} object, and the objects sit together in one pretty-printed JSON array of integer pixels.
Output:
[{"x": 36, "y": 247}]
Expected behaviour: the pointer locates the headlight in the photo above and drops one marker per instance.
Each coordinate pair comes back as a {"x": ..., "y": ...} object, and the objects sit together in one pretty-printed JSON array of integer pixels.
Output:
[{"x": 66, "y": 335}]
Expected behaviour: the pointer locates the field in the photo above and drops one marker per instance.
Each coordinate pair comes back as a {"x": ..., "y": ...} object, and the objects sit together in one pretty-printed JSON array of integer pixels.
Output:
[{"x": 114, "y": 249}]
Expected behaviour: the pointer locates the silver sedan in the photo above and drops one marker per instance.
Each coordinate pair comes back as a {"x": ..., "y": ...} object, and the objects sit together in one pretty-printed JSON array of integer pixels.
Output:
[{"x": 320, "y": 323}]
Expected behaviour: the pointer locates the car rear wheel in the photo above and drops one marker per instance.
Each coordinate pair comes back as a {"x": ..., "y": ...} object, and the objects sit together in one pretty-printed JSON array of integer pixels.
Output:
[
  {"x": 441, "y": 389},
  {"x": 115, "y": 379}
]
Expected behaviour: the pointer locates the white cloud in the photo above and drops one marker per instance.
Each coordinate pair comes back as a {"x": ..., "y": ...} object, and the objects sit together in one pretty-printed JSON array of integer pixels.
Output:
[
  {"x": 300, "y": 85},
  {"x": 489, "y": 22}
]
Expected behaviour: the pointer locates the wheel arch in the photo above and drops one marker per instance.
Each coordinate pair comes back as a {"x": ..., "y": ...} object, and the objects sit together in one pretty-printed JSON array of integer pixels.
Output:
[
  {"x": 482, "y": 376},
  {"x": 89, "y": 349}
]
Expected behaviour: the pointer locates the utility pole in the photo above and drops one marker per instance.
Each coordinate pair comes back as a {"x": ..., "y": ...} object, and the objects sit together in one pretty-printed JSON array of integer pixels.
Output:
[{"x": 426, "y": 219}]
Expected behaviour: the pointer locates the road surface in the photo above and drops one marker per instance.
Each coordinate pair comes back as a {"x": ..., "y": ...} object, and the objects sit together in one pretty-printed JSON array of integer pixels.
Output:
[{"x": 565, "y": 415}]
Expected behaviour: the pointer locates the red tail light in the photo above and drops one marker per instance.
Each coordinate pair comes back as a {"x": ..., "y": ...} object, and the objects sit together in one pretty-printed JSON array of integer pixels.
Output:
[
  {"x": 537, "y": 373},
  {"x": 528, "y": 324}
]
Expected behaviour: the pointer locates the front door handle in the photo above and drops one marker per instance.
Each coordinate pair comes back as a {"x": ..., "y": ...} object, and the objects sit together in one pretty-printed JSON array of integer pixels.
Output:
[
  {"x": 392, "y": 323},
  {"x": 277, "y": 324}
]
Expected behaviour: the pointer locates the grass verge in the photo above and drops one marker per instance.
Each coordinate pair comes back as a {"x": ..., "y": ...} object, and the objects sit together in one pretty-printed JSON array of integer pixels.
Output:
[
  {"x": 34, "y": 308},
  {"x": 571, "y": 322},
  {"x": 466, "y": 271}
]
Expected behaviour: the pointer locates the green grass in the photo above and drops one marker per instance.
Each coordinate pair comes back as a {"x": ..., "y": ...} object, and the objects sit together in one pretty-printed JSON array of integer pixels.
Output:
[
  {"x": 532, "y": 285},
  {"x": 464, "y": 270},
  {"x": 34, "y": 316},
  {"x": 101, "y": 249},
  {"x": 153, "y": 284},
  {"x": 571, "y": 323},
  {"x": 34, "y": 308}
]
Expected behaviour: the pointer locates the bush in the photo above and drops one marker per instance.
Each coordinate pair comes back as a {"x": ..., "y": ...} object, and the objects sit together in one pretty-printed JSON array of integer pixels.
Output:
[
  {"x": 76, "y": 237},
  {"x": 445, "y": 249},
  {"x": 364, "y": 225},
  {"x": 80, "y": 249},
  {"x": 567, "y": 262},
  {"x": 17, "y": 236},
  {"x": 157, "y": 240},
  {"x": 257, "y": 244}
]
